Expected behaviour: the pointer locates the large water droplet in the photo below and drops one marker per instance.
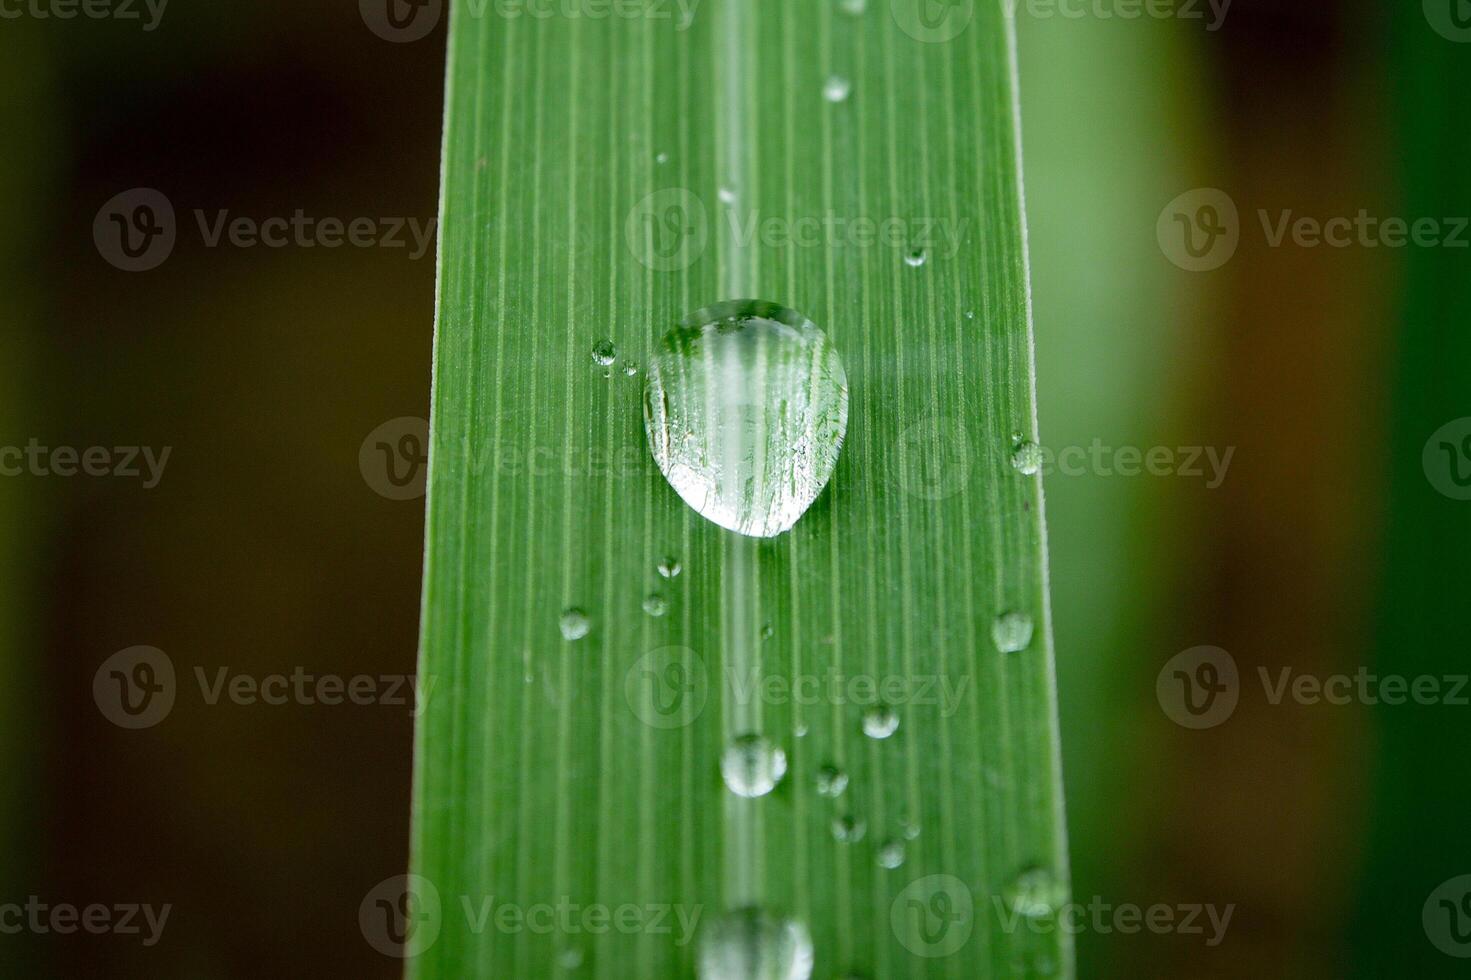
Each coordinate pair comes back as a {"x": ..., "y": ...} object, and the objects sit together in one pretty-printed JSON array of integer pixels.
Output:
[
  {"x": 655, "y": 604},
  {"x": 1012, "y": 632},
  {"x": 745, "y": 409},
  {"x": 604, "y": 353},
  {"x": 752, "y": 766},
  {"x": 752, "y": 944},
  {"x": 880, "y": 721},
  {"x": 574, "y": 623},
  {"x": 670, "y": 567}
]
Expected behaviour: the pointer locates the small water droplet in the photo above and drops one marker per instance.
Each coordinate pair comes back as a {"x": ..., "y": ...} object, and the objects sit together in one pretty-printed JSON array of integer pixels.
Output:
[
  {"x": 909, "y": 829},
  {"x": 752, "y": 766},
  {"x": 604, "y": 353},
  {"x": 630, "y": 369},
  {"x": 891, "y": 854},
  {"x": 655, "y": 604},
  {"x": 753, "y": 944},
  {"x": 1026, "y": 458},
  {"x": 801, "y": 729},
  {"x": 726, "y": 195},
  {"x": 767, "y": 631},
  {"x": 570, "y": 958},
  {"x": 970, "y": 314},
  {"x": 765, "y": 399},
  {"x": 574, "y": 623},
  {"x": 880, "y": 721},
  {"x": 836, "y": 88},
  {"x": 1012, "y": 632},
  {"x": 916, "y": 257},
  {"x": 831, "y": 781},
  {"x": 853, "y": 7},
  {"x": 1035, "y": 893},
  {"x": 670, "y": 567},
  {"x": 848, "y": 829},
  {"x": 661, "y": 158}
]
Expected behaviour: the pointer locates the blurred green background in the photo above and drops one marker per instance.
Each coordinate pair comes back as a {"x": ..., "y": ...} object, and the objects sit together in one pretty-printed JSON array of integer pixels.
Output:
[{"x": 264, "y": 549}]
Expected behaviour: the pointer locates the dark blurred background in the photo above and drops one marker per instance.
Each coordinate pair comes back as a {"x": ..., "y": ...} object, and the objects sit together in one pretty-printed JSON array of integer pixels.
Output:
[{"x": 268, "y": 545}]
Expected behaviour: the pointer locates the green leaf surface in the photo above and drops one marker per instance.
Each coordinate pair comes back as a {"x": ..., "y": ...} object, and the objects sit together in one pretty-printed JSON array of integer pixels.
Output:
[{"x": 570, "y": 815}]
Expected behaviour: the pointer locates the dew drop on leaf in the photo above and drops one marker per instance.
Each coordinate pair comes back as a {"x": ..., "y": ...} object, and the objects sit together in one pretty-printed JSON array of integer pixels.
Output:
[
  {"x": 745, "y": 409},
  {"x": 751, "y": 766},
  {"x": 1035, "y": 893},
  {"x": 836, "y": 88},
  {"x": 574, "y": 623},
  {"x": 831, "y": 781},
  {"x": 880, "y": 721},
  {"x": 848, "y": 829},
  {"x": 1026, "y": 458},
  {"x": 753, "y": 944},
  {"x": 1012, "y": 632},
  {"x": 891, "y": 854}
]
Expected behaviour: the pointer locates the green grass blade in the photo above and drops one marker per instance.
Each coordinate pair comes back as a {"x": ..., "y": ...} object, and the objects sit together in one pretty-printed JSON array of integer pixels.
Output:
[
  {"x": 543, "y": 781},
  {"x": 1414, "y": 884}
]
